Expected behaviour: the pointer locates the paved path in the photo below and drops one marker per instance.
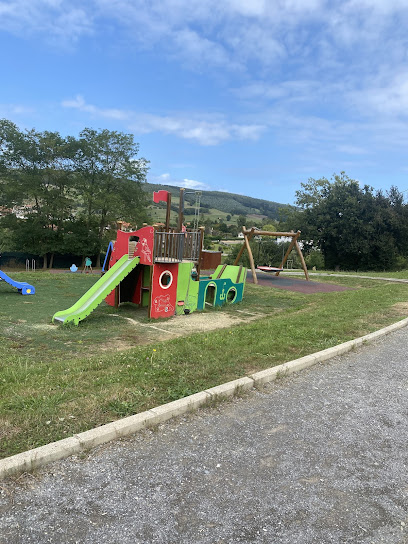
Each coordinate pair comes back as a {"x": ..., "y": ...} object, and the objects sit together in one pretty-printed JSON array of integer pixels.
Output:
[{"x": 320, "y": 457}]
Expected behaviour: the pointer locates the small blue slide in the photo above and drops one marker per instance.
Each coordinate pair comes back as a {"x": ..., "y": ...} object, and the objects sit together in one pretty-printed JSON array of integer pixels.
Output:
[{"x": 22, "y": 287}]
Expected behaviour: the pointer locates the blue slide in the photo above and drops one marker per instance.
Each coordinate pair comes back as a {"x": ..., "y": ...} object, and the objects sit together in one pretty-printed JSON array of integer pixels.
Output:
[{"x": 22, "y": 287}]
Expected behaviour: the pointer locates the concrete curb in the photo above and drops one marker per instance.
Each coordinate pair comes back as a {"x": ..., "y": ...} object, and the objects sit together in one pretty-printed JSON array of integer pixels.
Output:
[{"x": 38, "y": 457}]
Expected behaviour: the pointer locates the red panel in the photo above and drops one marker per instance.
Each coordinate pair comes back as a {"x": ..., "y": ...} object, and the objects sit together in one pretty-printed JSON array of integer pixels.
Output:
[
  {"x": 160, "y": 196},
  {"x": 164, "y": 297},
  {"x": 110, "y": 299},
  {"x": 144, "y": 247},
  {"x": 144, "y": 250}
]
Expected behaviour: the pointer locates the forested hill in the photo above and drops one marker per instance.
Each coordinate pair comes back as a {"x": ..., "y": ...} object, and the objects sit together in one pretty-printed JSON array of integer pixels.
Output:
[{"x": 225, "y": 202}]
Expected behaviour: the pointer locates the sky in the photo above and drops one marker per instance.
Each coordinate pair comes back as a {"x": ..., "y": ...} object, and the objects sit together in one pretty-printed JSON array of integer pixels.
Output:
[{"x": 246, "y": 96}]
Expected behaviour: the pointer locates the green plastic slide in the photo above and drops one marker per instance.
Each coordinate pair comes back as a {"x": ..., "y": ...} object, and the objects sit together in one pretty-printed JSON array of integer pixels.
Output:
[{"x": 98, "y": 292}]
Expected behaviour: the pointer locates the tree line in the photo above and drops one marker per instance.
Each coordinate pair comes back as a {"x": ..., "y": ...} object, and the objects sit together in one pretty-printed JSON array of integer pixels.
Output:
[
  {"x": 352, "y": 226},
  {"x": 62, "y": 194}
]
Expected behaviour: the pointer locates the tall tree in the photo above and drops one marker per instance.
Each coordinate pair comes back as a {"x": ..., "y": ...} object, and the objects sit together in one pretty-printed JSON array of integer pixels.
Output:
[
  {"x": 108, "y": 179},
  {"x": 36, "y": 176},
  {"x": 353, "y": 227}
]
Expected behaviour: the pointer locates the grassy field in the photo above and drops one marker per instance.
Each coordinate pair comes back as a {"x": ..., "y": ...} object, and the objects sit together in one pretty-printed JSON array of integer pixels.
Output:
[{"x": 56, "y": 381}]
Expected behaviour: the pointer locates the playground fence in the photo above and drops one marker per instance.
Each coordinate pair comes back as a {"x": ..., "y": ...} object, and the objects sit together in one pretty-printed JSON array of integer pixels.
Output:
[{"x": 174, "y": 247}]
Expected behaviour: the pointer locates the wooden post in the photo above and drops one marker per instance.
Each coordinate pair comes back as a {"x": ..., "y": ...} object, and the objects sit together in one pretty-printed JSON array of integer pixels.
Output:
[
  {"x": 241, "y": 251},
  {"x": 198, "y": 267},
  {"x": 251, "y": 258},
  {"x": 181, "y": 210},
  {"x": 294, "y": 243},
  {"x": 168, "y": 211},
  {"x": 291, "y": 246},
  {"x": 302, "y": 259},
  {"x": 155, "y": 229}
]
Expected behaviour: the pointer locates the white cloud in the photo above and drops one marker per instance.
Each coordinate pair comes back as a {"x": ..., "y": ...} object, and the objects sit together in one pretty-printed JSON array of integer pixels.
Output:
[
  {"x": 189, "y": 44},
  {"x": 193, "y": 184},
  {"x": 9, "y": 110},
  {"x": 108, "y": 113},
  {"x": 57, "y": 21},
  {"x": 205, "y": 132},
  {"x": 384, "y": 98},
  {"x": 352, "y": 149},
  {"x": 166, "y": 179},
  {"x": 211, "y": 131},
  {"x": 298, "y": 60},
  {"x": 231, "y": 34}
]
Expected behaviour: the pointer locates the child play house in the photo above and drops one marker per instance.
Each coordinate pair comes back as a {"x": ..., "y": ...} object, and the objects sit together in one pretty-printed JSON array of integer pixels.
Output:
[{"x": 159, "y": 268}]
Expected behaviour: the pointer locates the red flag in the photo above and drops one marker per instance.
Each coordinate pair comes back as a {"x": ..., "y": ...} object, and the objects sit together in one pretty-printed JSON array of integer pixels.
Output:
[{"x": 160, "y": 196}]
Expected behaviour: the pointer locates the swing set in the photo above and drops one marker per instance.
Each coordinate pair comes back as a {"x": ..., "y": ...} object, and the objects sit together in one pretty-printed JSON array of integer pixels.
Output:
[{"x": 248, "y": 234}]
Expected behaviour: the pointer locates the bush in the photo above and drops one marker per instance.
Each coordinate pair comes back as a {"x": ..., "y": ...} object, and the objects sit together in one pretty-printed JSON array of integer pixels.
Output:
[{"x": 315, "y": 258}]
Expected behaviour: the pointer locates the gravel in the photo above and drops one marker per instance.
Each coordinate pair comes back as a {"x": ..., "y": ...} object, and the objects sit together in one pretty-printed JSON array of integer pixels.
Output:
[{"x": 319, "y": 457}]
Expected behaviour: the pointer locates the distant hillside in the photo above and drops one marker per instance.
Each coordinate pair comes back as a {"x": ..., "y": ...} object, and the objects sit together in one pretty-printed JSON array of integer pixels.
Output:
[{"x": 226, "y": 203}]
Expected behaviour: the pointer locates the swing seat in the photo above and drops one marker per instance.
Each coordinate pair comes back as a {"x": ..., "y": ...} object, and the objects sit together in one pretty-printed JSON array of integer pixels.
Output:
[{"x": 269, "y": 269}]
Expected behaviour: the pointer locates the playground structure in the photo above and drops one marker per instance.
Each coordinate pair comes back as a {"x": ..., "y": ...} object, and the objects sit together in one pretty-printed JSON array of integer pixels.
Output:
[
  {"x": 248, "y": 234},
  {"x": 158, "y": 267},
  {"x": 22, "y": 287}
]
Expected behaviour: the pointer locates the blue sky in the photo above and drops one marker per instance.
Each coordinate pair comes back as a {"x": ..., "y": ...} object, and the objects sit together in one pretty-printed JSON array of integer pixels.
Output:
[{"x": 247, "y": 96}]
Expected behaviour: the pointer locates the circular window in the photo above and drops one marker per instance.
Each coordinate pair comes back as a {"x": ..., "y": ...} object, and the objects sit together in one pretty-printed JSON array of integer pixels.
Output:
[
  {"x": 166, "y": 279},
  {"x": 231, "y": 295}
]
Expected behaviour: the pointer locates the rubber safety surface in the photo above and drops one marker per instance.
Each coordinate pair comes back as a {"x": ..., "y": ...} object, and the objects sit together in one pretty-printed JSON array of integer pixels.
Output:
[{"x": 292, "y": 284}]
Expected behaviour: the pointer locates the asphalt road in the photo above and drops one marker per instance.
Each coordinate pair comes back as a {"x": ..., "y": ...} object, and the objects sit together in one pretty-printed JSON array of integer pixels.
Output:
[{"x": 320, "y": 457}]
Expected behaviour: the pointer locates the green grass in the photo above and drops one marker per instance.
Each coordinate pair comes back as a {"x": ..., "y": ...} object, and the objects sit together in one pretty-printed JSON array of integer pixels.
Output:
[
  {"x": 56, "y": 381},
  {"x": 400, "y": 274}
]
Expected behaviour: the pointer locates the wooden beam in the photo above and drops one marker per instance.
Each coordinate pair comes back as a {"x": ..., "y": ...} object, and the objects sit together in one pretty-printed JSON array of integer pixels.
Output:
[
  {"x": 291, "y": 246},
  {"x": 251, "y": 258},
  {"x": 168, "y": 211},
  {"x": 302, "y": 260},
  {"x": 241, "y": 251},
  {"x": 201, "y": 242},
  {"x": 294, "y": 244},
  {"x": 221, "y": 272},
  {"x": 181, "y": 210},
  {"x": 269, "y": 233}
]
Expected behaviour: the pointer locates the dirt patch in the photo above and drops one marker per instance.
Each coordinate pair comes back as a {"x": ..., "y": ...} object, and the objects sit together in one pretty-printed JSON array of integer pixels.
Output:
[
  {"x": 7, "y": 430},
  {"x": 182, "y": 325},
  {"x": 42, "y": 326},
  {"x": 116, "y": 344},
  {"x": 401, "y": 308},
  {"x": 175, "y": 327}
]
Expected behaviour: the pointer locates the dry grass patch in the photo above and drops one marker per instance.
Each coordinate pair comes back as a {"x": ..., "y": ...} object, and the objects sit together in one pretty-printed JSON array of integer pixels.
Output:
[{"x": 401, "y": 308}]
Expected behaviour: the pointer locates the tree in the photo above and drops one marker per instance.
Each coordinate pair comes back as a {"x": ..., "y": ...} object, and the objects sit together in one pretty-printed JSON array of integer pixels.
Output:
[
  {"x": 270, "y": 227},
  {"x": 68, "y": 190},
  {"x": 108, "y": 180},
  {"x": 353, "y": 227},
  {"x": 36, "y": 175}
]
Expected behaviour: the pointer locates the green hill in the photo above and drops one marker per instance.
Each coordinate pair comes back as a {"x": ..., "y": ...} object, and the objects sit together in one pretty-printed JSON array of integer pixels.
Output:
[{"x": 218, "y": 204}]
